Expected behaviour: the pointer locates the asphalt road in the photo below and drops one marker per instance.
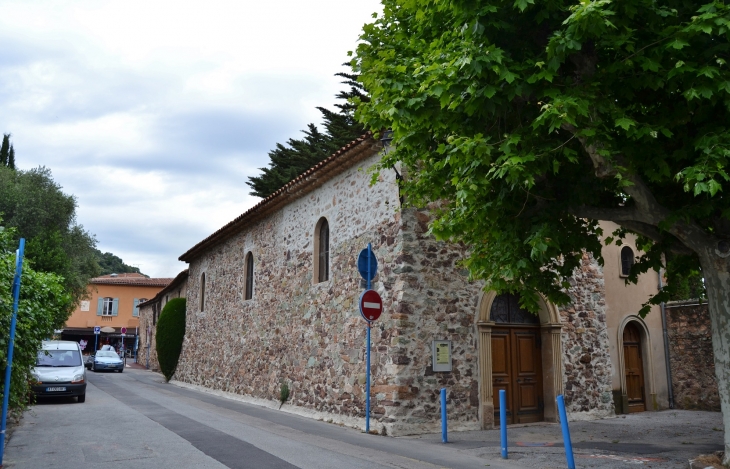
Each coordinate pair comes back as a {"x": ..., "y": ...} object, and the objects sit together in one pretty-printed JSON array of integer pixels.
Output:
[{"x": 134, "y": 418}]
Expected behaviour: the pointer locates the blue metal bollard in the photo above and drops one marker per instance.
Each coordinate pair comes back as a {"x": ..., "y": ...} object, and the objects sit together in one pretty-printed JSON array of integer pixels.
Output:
[
  {"x": 566, "y": 433},
  {"x": 444, "y": 435},
  {"x": 503, "y": 421}
]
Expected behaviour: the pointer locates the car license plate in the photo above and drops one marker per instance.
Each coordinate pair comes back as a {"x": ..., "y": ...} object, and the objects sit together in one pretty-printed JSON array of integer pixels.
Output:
[{"x": 56, "y": 389}]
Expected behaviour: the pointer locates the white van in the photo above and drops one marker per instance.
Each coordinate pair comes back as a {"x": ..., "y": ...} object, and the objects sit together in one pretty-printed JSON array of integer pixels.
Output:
[{"x": 59, "y": 370}]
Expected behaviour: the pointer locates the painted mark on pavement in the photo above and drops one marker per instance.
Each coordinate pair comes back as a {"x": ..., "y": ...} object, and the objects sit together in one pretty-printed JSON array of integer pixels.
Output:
[{"x": 628, "y": 459}]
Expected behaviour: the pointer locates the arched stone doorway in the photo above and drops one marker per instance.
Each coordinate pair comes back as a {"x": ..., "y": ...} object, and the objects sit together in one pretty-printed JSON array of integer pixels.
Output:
[
  {"x": 636, "y": 366},
  {"x": 506, "y": 334}
]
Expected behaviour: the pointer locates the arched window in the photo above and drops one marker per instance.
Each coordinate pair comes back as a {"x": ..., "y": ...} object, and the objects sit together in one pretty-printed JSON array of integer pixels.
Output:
[
  {"x": 248, "y": 277},
  {"x": 202, "y": 292},
  {"x": 506, "y": 309},
  {"x": 322, "y": 250},
  {"x": 627, "y": 260}
]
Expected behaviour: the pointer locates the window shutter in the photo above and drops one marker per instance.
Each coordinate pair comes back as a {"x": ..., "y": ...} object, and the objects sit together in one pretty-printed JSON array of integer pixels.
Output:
[
  {"x": 115, "y": 307},
  {"x": 135, "y": 311},
  {"x": 99, "y": 306}
]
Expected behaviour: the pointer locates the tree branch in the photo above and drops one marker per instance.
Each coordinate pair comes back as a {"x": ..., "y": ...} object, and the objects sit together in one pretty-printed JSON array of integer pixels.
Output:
[
  {"x": 647, "y": 210},
  {"x": 654, "y": 234},
  {"x": 618, "y": 214}
]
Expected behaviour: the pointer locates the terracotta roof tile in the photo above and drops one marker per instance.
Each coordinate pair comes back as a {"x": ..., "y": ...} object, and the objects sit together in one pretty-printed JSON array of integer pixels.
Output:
[{"x": 140, "y": 281}]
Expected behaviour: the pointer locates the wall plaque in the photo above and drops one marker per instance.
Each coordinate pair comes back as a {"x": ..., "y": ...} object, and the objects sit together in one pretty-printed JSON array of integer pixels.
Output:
[{"x": 441, "y": 353}]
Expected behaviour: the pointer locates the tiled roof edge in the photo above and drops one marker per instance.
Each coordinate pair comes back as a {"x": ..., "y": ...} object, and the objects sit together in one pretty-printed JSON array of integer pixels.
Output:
[
  {"x": 294, "y": 189},
  {"x": 149, "y": 282},
  {"x": 177, "y": 281}
]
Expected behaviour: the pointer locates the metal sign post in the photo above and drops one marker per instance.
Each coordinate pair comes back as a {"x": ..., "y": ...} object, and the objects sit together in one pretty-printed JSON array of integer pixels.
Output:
[
  {"x": 367, "y": 396},
  {"x": 367, "y": 265},
  {"x": 123, "y": 348},
  {"x": 97, "y": 331},
  {"x": 6, "y": 387}
]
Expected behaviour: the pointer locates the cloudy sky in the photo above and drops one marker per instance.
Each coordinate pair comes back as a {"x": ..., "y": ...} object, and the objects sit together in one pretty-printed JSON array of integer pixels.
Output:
[{"x": 154, "y": 113}]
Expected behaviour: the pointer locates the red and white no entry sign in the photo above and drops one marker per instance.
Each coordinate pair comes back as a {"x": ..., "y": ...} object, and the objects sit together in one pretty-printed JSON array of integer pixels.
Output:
[{"x": 371, "y": 305}]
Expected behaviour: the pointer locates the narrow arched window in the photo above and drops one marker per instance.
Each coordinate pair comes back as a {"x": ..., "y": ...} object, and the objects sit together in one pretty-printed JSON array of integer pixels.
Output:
[
  {"x": 627, "y": 260},
  {"x": 202, "y": 292},
  {"x": 322, "y": 250},
  {"x": 248, "y": 289}
]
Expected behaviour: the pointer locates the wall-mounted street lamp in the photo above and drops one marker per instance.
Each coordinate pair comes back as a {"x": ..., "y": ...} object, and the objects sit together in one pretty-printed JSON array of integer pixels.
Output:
[{"x": 386, "y": 138}]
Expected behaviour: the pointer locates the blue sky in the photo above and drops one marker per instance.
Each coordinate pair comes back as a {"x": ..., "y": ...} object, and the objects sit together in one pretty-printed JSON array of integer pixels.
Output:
[{"x": 154, "y": 114}]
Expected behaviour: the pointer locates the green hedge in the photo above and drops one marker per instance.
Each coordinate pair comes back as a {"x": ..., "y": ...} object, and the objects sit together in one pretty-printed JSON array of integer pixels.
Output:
[
  {"x": 169, "y": 335},
  {"x": 44, "y": 306}
]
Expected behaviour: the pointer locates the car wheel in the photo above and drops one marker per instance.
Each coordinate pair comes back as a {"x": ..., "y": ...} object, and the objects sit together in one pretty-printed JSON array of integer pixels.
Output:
[
  {"x": 121, "y": 370},
  {"x": 82, "y": 398},
  {"x": 93, "y": 368}
]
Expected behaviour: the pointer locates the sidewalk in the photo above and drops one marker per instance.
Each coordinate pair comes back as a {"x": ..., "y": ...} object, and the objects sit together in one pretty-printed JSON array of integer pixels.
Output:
[
  {"x": 666, "y": 439},
  {"x": 137, "y": 366}
]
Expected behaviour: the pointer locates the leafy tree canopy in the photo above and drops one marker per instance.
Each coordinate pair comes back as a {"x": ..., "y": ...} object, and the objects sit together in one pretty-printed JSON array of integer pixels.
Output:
[
  {"x": 34, "y": 204},
  {"x": 291, "y": 159},
  {"x": 44, "y": 306},
  {"x": 529, "y": 120},
  {"x": 111, "y": 264}
]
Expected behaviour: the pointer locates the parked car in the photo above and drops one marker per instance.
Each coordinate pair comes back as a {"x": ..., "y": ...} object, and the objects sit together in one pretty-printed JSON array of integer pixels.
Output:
[
  {"x": 88, "y": 360},
  {"x": 107, "y": 360},
  {"x": 59, "y": 370}
]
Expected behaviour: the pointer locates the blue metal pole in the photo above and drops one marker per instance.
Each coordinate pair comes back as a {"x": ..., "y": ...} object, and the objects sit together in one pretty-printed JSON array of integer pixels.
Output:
[
  {"x": 96, "y": 343},
  {"x": 367, "y": 364},
  {"x": 503, "y": 421},
  {"x": 367, "y": 391},
  {"x": 444, "y": 431},
  {"x": 11, "y": 344},
  {"x": 566, "y": 433}
]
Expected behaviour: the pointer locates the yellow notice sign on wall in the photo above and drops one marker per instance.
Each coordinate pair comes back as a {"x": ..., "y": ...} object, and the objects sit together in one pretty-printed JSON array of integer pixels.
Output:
[{"x": 441, "y": 350}]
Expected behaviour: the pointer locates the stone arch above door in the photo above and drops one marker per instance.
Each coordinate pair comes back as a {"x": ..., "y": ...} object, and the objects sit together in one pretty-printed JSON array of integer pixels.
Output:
[
  {"x": 646, "y": 355},
  {"x": 550, "y": 331},
  {"x": 548, "y": 312}
]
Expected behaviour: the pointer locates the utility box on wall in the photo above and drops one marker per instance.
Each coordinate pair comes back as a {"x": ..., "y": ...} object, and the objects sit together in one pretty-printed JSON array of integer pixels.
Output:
[{"x": 441, "y": 355}]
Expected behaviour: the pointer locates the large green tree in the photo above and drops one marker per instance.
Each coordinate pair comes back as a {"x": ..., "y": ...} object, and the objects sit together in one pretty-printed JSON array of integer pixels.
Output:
[
  {"x": 529, "y": 120},
  {"x": 291, "y": 159},
  {"x": 34, "y": 204}
]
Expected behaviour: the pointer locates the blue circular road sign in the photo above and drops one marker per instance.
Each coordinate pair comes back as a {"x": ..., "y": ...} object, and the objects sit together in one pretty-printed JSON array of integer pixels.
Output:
[{"x": 362, "y": 264}]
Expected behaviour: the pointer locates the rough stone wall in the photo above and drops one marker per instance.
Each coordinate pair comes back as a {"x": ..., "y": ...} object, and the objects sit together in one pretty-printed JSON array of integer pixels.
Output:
[
  {"x": 586, "y": 358},
  {"x": 437, "y": 302},
  {"x": 143, "y": 355},
  {"x": 307, "y": 334},
  {"x": 691, "y": 357}
]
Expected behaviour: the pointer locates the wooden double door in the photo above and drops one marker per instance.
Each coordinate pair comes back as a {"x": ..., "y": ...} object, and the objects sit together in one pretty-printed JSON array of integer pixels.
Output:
[{"x": 517, "y": 368}]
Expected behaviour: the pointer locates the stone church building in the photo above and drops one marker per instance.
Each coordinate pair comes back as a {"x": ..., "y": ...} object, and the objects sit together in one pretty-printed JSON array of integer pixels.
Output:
[{"x": 272, "y": 298}]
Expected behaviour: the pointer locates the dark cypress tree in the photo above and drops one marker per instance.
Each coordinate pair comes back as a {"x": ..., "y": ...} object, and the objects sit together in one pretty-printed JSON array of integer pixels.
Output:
[
  {"x": 291, "y": 159},
  {"x": 5, "y": 150},
  {"x": 11, "y": 158}
]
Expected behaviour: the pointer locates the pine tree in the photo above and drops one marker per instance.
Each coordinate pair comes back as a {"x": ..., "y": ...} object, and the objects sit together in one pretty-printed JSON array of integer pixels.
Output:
[
  {"x": 291, "y": 159},
  {"x": 5, "y": 150}
]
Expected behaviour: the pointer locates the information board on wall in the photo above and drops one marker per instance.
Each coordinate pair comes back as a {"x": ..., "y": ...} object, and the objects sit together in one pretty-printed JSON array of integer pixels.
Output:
[{"x": 441, "y": 353}]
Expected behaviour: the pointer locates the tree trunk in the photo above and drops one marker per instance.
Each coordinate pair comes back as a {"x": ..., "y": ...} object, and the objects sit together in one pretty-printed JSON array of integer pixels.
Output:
[{"x": 715, "y": 268}]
